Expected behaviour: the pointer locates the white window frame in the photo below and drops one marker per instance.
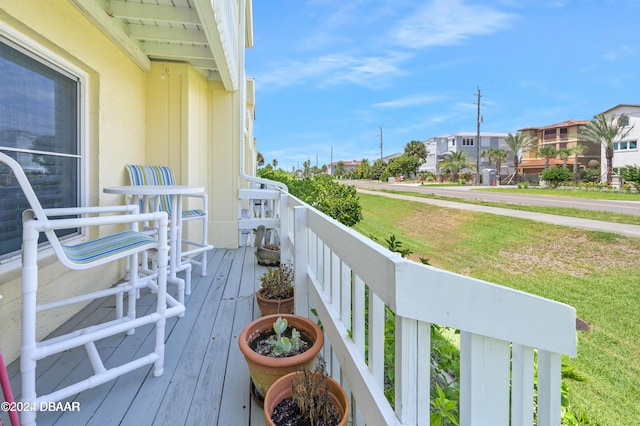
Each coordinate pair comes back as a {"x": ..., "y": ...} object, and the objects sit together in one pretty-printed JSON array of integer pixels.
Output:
[
  {"x": 41, "y": 53},
  {"x": 616, "y": 146}
]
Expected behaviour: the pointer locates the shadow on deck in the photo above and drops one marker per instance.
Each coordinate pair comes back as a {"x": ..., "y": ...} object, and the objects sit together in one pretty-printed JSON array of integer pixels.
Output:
[{"x": 205, "y": 380}]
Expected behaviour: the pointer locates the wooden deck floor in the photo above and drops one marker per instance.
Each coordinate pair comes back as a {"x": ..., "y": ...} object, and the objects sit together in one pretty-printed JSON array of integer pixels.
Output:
[{"x": 205, "y": 381}]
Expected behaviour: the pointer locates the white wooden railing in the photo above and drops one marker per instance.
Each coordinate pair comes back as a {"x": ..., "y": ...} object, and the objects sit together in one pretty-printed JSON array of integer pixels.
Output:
[{"x": 500, "y": 328}]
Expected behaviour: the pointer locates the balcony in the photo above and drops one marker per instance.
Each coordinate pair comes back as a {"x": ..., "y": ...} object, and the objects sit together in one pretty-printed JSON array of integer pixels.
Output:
[{"x": 350, "y": 281}]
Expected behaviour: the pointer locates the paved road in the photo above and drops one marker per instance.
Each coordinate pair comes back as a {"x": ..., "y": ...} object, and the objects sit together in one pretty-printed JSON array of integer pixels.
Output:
[
  {"x": 626, "y": 207},
  {"x": 595, "y": 225}
]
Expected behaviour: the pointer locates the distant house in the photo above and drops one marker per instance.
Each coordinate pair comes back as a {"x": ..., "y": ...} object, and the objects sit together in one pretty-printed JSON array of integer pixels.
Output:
[
  {"x": 563, "y": 135},
  {"x": 625, "y": 152},
  {"x": 347, "y": 166},
  {"x": 439, "y": 146}
]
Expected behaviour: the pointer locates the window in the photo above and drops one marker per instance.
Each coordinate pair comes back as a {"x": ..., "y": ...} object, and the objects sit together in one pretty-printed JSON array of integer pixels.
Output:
[
  {"x": 467, "y": 141},
  {"x": 564, "y": 132},
  {"x": 39, "y": 127},
  {"x": 550, "y": 134},
  {"x": 625, "y": 145},
  {"x": 623, "y": 120}
]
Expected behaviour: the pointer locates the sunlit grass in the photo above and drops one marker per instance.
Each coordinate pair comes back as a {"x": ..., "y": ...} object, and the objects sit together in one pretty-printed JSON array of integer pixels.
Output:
[
  {"x": 561, "y": 192},
  {"x": 628, "y": 219},
  {"x": 595, "y": 272}
]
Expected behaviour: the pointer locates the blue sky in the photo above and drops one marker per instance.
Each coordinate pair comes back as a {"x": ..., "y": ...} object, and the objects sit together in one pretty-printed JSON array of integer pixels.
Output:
[{"x": 329, "y": 73}]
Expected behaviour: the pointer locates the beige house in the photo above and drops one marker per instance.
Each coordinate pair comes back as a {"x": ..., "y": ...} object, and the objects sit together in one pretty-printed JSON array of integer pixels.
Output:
[
  {"x": 157, "y": 83},
  {"x": 563, "y": 135}
]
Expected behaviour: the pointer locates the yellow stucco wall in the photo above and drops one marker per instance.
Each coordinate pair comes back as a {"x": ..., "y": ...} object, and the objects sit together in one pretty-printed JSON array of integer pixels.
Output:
[
  {"x": 171, "y": 116},
  {"x": 115, "y": 126},
  {"x": 191, "y": 127}
]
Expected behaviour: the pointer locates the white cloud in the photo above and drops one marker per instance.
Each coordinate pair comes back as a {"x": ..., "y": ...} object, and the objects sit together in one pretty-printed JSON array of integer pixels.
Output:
[
  {"x": 408, "y": 101},
  {"x": 334, "y": 69},
  {"x": 448, "y": 22},
  {"x": 619, "y": 53}
]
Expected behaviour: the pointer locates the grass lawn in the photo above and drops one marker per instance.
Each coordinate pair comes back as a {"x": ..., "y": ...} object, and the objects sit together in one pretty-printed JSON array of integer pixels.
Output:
[
  {"x": 595, "y": 272},
  {"x": 628, "y": 219},
  {"x": 561, "y": 192}
]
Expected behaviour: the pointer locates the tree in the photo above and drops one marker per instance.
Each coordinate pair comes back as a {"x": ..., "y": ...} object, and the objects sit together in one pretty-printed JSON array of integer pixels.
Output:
[
  {"x": 306, "y": 172},
  {"x": 490, "y": 155},
  {"x": 500, "y": 155},
  {"x": 564, "y": 154},
  {"x": 605, "y": 132},
  {"x": 416, "y": 148},
  {"x": 339, "y": 168},
  {"x": 364, "y": 169},
  {"x": 577, "y": 150},
  {"x": 403, "y": 165},
  {"x": 556, "y": 175},
  {"x": 275, "y": 163},
  {"x": 455, "y": 162},
  {"x": 378, "y": 168},
  {"x": 259, "y": 159},
  {"x": 546, "y": 152},
  {"x": 516, "y": 144}
]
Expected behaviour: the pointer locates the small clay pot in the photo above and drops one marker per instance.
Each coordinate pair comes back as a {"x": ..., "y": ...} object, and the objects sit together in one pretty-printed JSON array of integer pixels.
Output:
[
  {"x": 265, "y": 370},
  {"x": 281, "y": 389}
]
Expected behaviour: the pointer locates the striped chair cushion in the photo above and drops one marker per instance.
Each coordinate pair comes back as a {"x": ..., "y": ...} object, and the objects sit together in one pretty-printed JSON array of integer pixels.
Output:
[
  {"x": 158, "y": 175},
  {"x": 100, "y": 248}
]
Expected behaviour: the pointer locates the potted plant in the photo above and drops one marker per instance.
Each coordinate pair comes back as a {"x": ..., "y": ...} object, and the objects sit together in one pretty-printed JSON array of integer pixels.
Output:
[
  {"x": 268, "y": 254},
  {"x": 306, "y": 397},
  {"x": 272, "y": 348},
  {"x": 275, "y": 295}
]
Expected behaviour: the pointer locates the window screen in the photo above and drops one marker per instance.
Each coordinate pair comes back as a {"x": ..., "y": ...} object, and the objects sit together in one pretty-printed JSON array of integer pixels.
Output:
[{"x": 39, "y": 107}]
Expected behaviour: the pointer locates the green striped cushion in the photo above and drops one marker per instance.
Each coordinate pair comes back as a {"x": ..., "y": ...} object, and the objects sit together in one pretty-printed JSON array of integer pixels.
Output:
[{"x": 100, "y": 248}]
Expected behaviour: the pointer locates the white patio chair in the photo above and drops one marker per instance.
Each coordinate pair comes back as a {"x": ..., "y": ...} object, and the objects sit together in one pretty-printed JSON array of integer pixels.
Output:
[
  {"x": 163, "y": 175},
  {"x": 122, "y": 245}
]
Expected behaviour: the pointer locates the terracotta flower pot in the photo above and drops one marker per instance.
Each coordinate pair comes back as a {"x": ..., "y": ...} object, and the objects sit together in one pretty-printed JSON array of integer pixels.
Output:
[
  {"x": 274, "y": 306},
  {"x": 265, "y": 370},
  {"x": 281, "y": 389}
]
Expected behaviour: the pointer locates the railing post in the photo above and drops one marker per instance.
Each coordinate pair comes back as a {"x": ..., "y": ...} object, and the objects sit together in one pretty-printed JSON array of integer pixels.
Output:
[
  {"x": 521, "y": 384},
  {"x": 301, "y": 261},
  {"x": 484, "y": 380},
  {"x": 285, "y": 256},
  {"x": 549, "y": 386},
  {"x": 413, "y": 382}
]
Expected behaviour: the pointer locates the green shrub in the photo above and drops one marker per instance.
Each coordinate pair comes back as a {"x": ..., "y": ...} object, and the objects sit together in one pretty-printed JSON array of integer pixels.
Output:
[
  {"x": 322, "y": 192},
  {"x": 632, "y": 175},
  {"x": 556, "y": 175}
]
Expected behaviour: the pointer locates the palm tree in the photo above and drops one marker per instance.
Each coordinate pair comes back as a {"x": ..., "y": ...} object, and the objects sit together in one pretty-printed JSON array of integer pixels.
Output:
[
  {"x": 416, "y": 148},
  {"x": 564, "y": 154},
  {"x": 518, "y": 143},
  {"x": 605, "y": 131},
  {"x": 546, "y": 152},
  {"x": 454, "y": 162},
  {"x": 490, "y": 155},
  {"x": 577, "y": 150},
  {"x": 500, "y": 155}
]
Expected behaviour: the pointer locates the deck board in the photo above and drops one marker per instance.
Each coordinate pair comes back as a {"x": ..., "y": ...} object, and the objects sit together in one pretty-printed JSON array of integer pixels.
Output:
[{"x": 205, "y": 380}]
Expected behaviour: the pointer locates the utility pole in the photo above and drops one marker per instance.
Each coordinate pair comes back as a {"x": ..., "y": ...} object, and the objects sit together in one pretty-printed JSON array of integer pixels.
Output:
[{"x": 479, "y": 119}]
